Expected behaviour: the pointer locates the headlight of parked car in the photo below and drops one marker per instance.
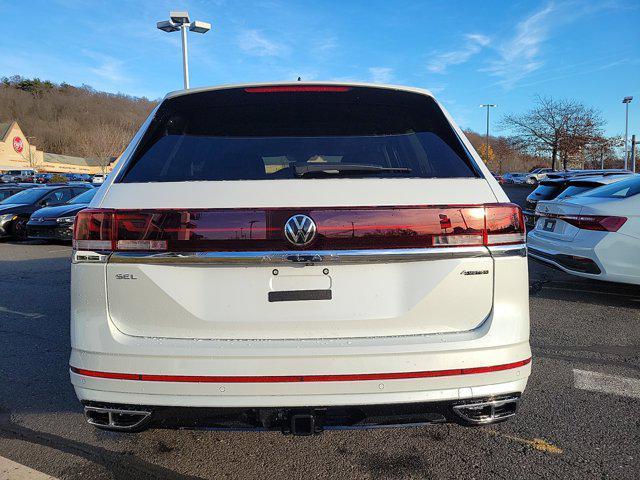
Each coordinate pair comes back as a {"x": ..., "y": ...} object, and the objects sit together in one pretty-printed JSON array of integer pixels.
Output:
[
  {"x": 7, "y": 217},
  {"x": 66, "y": 220}
]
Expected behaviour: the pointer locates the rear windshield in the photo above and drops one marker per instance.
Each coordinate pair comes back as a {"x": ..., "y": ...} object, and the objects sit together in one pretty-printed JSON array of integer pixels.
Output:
[
  {"x": 238, "y": 135},
  {"x": 573, "y": 190},
  {"x": 83, "y": 197},
  {"x": 622, "y": 189},
  {"x": 546, "y": 192}
]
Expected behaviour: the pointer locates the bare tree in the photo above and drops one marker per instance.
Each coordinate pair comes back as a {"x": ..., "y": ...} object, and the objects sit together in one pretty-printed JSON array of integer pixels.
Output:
[
  {"x": 559, "y": 128},
  {"x": 600, "y": 152},
  {"x": 103, "y": 143}
]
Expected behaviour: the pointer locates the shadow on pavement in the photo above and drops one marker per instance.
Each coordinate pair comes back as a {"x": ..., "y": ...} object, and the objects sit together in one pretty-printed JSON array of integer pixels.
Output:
[{"x": 120, "y": 465}]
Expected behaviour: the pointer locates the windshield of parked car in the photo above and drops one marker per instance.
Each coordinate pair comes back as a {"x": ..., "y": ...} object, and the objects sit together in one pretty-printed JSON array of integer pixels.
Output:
[
  {"x": 239, "y": 135},
  {"x": 6, "y": 193},
  {"x": 546, "y": 191},
  {"x": 622, "y": 189},
  {"x": 27, "y": 197},
  {"x": 83, "y": 197}
]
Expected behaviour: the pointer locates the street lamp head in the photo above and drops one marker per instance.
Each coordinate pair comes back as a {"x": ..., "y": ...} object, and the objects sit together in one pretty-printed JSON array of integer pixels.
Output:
[
  {"x": 199, "y": 27},
  {"x": 179, "y": 17},
  {"x": 627, "y": 99},
  {"x": 484, "y": 105},
  {"x": 167, "y": 26}
]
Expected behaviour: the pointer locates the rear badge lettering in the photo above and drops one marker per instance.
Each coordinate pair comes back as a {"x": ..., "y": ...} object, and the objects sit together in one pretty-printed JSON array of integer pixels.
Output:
[
  {"x": 474, "y": 272},
  {"x": 126, "y": 276}
]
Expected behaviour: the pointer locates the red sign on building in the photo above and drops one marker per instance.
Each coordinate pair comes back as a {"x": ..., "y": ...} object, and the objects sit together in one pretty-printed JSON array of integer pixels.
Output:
[{"x": 18, "y": 146}]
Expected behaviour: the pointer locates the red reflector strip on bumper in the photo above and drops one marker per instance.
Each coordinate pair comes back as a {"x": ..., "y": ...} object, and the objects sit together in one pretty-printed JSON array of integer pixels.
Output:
[{"x": 299, "y": 378}]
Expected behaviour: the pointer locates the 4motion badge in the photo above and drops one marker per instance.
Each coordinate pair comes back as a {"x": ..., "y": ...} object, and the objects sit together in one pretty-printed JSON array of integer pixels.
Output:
[{"x": 474, "y": 272}]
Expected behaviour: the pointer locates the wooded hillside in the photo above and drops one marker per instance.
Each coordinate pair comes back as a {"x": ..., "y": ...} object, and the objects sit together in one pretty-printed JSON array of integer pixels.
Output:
[{"x": 70, "y": 120}]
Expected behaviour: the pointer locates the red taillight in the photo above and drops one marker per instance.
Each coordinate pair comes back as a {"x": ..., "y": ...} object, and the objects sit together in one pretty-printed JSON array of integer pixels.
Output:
[
  {"x": 93, "y": 230},
  {"x": 594, "y": 222},
  {"x": 263, "y": 229},
  {"x": 298, "y": 88},
  {"x": 504, "y": 224}
]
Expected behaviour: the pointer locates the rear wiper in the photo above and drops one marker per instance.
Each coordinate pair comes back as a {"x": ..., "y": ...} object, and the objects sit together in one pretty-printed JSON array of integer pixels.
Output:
[{"x": 303, "y": 169}]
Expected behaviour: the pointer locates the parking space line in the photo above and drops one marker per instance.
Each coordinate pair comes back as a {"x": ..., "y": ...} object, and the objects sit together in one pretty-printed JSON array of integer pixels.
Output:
[
  {"x": 10, "y": 470},
  {"x": 23, "y": 314},
  {"x": 601, "y": 382}
]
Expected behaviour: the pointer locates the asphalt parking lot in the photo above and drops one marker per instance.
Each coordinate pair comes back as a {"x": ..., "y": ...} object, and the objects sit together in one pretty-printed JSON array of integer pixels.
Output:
[{"x": 579, "y": 417}]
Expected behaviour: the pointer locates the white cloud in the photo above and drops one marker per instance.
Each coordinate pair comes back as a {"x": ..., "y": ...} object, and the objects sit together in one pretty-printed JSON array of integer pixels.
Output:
[
  {"x": 473, "y": 44},
  {"x": 254, "y": 42},
  {"x": 381, "y": 74},
  {"x": 324, "y": 46},
  {"x": 107, "y": 68},
  {"x": 520, "y": 54}
]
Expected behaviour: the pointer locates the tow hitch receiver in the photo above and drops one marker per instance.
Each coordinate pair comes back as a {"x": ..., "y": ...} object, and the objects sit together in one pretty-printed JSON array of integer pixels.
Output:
[{"x": 302, "y": 424}]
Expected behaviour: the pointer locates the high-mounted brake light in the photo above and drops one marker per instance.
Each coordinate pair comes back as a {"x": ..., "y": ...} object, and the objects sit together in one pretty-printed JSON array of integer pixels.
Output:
[
  {"x": 338, "y": 228},
  {"x": 298, "y": 88}
]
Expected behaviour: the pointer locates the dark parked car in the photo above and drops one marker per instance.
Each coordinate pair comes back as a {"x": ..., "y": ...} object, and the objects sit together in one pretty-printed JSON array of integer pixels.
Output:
[
  {"x": 8, "y": 189},
  {"x": 16, "y": 209},
  {"x": 56, "y": 223}
]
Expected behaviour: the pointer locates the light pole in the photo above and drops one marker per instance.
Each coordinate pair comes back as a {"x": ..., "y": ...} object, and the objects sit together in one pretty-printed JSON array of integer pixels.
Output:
[
  {"x": 180, "y": 21},
  {"x": 486, "y": 145},
  {"x": 626, "y": 101}
]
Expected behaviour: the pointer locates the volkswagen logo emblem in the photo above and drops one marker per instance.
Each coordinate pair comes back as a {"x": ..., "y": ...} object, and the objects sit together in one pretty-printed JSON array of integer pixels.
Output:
[{"x": 300, "y": 230}]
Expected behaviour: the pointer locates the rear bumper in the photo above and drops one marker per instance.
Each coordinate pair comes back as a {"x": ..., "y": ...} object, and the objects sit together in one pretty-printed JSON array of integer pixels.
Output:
[
  {"x": 305, "y": 420},
  {"x": 267, "y": 391},
  {"x": 569, "y": 263},
  {"x": 597, "y": 255}
]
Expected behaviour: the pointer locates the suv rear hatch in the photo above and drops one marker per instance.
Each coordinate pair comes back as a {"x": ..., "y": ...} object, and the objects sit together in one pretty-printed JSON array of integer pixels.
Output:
[{"x": 198, "y": 219}]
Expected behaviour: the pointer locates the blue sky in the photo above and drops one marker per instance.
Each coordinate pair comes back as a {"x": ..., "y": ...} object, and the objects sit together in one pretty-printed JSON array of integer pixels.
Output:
[{"x": 466, "y": 52}]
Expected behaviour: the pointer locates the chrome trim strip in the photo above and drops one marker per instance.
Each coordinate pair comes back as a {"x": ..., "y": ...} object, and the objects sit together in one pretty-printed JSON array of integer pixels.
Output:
[
  {"x": 519, "y": 250},
  {"x": 308, "y": 257}
]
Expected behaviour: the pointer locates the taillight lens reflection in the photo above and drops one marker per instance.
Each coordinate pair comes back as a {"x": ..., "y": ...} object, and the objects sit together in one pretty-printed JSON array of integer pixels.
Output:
[
  {"x": 93, "y": 230},
  {"x": 262, "y": 229}
]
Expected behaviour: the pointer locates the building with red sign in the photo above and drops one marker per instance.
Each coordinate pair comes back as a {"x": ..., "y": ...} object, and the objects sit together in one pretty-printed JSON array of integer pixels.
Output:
[{"x": 18, "y": 153}]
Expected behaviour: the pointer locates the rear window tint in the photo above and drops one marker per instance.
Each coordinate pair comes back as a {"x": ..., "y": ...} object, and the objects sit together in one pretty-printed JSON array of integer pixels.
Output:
[
  {"x": 546, "y": 192},
  {"x": 236, "y": 135},
  {"x": 577, "y": 189}
]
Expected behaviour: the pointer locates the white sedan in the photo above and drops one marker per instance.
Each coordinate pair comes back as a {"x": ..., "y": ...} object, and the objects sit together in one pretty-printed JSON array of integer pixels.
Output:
[{"x": 594, "y": 235}]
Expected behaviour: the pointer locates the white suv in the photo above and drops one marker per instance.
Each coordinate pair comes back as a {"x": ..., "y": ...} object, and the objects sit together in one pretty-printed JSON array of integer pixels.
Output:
[
  {"x": 299, "y": 257},
  {"x": 534, "y": 177}
]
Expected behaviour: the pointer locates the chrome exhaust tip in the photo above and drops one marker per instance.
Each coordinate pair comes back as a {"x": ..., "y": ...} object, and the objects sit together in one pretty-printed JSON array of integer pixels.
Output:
[
  {"x": 490, "y": 411},
  {"x": 116, "y": 419}
]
